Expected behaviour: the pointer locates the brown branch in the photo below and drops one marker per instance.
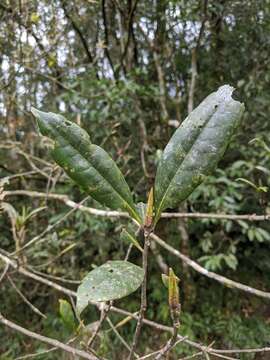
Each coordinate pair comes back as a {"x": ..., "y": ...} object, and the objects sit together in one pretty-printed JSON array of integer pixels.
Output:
[
  {"x": 194, "y": 53},
  {"x": 170, "y": 344},
  {"x": 150, "y": 323},
  {"x": 4, "y": 273},
  {"x": 147, "y": 356},
  {"x": 132, "y": 9},
  {"x": 103, "y": 315},
  {"x": 18, "y": 291},
  {"x": 78, "y": 31},
  {"x": 143, "y": 307},
  {"x": 47, "y": 340},
  {"x": 109, "y": 213},
  {"x": 221, "y": 279},
  {"x": 106, "y": 36}
]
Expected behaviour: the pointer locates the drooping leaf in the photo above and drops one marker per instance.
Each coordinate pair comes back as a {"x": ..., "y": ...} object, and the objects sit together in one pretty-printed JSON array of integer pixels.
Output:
[
  {"x": 66, "y": 313},
  {"x": 87, "y": 164},
  {"x": 195, "y": 148},
  {"x": 111, "y": 281}
]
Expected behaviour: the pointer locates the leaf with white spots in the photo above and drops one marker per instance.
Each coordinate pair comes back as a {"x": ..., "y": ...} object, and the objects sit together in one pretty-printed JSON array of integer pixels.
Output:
[
  {"x": 195, "y": 148},
  {"x": 110, "y": 281},
  {"x": 87, "y": 164}
]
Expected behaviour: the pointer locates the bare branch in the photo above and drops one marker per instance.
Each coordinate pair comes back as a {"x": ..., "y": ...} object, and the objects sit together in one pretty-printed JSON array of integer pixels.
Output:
[
  {"x": 108, "y": 213},
  {"x": 18, "y": 291},
  {"x": 47, "y": 340},
  {"x": 4, "y": 273},
  {"x": 78, "y": 31},
  {"x": 150, "y": 323},
  {"x": 221, "y": 279},
  {"x": 143, "y": 293}
]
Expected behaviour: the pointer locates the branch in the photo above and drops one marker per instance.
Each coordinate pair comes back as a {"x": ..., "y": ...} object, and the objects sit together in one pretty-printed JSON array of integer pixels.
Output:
[
  {"x": 18, "y": 291},
  {"x": 132, "y": 9},
  {"x": 109, "y": 213},
  {"x": 150, "y": 323},
  {"x": 47, "y": 340},
  {"x": 4, "y": 273},
  {"x": 194, "y": 52},
  {"x": 221, "y": 279},
  {"x": 78, "y": 31},
  {"x": 143, "y": 292},
  {"x": 106, "y": 36}
]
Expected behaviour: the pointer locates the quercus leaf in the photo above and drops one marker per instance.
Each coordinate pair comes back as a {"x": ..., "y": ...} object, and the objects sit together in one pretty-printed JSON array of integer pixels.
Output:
[
  {"x": 87, "y": 164},
  {"x": 111, "y": 281},
  {"x": 195, "y": 148}
]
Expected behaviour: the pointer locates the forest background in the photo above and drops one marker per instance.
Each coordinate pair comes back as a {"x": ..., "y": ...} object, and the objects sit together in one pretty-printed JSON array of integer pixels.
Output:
[{"x": 129, "y": 72}]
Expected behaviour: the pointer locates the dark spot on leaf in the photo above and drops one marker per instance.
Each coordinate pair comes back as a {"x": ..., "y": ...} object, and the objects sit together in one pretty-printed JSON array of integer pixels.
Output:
[{"x": 111, "y": 270}]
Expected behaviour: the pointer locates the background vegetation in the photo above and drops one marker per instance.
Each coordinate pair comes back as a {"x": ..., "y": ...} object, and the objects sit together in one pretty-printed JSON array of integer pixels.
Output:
[{"x": 129, "y": 72}]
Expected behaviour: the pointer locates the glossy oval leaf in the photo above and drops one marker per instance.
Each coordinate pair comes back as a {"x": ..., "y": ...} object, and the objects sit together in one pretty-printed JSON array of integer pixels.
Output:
[
  {"x": 195, "y": 148},
  {"x": 87, "y": 164},
  {"x": 110, "y": 281}
]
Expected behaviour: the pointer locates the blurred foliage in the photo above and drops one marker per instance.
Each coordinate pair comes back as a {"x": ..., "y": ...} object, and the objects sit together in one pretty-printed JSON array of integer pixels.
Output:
[{"x": 114, "y": 76}]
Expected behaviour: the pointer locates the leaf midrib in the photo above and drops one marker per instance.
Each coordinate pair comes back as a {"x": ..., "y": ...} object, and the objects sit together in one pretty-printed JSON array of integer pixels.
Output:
[
  {"x": 87, "y": 160},
  {"x": 189, "y": 150}
]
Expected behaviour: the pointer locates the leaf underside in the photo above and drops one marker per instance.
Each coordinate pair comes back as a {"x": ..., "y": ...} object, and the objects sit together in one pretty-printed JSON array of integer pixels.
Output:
[
  {"x": 87, "y": 164},
  {"x": 111, "y": 281},
  {"x": 195, "y": 148}
]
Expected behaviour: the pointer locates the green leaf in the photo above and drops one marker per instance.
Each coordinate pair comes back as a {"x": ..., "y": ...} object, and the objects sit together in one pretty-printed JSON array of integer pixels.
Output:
[
  {"x": 141, "y": 209},
  {"x": 87, "y": 164},
  {"x": 165, "y": 280},
  {"x": 111, "y": 281},
  {"x": 67, "y": 315},
  {"x": 195, "y": 148},
  {"x": 129, "y": 238}
]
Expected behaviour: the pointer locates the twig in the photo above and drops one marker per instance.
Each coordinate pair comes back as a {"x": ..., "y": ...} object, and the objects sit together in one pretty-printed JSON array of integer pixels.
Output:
[
  {"x": 146, "y": 239},
  {"x": 47, "y": 340},
  {"x": 40, "y": 353},
  {"x": 119, "y": 336},
  {"x": 192, "y": 356},
  {"x": 78, "y": 32},
  {"x": 18, "y": 291},
  {"x": 223, "y": 356},
  {"x": 170, "y": 344},
  {"x": 150, "y": 323},
  {"x": 4, "y": 272},
  {"x": 57, "y": 278},
  {"x": 108, "y": 213},
  {"x": 49, "y": 228},
  {"x": 106, "y": 36},
  {"x": 194, "y": 53},
  {"x": 103, "y": 314},
  {"x": 157, "y": 352}
]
